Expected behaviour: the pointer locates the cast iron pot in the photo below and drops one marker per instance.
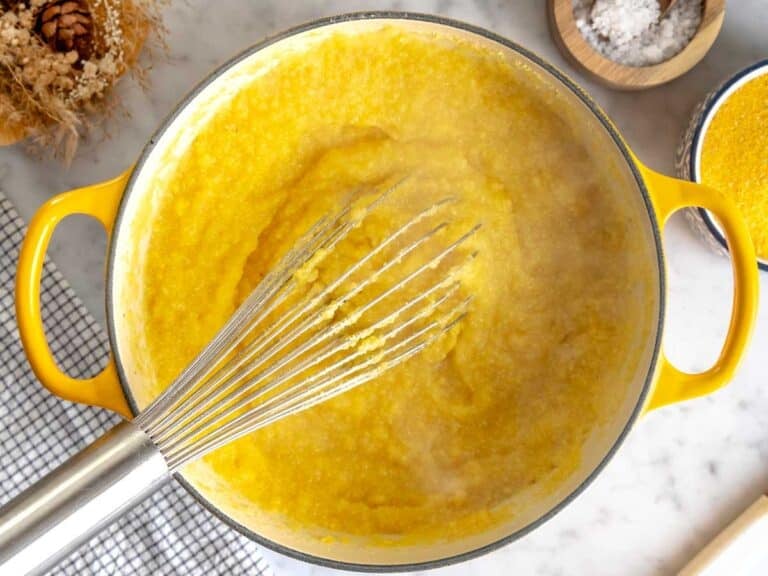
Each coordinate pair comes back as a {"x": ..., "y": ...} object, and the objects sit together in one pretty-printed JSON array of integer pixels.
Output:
[{"x": 123, "y": 206}]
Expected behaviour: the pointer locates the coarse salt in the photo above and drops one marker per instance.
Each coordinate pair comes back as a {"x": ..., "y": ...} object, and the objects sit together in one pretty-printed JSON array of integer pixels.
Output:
[{"x": 630, "y": 32}]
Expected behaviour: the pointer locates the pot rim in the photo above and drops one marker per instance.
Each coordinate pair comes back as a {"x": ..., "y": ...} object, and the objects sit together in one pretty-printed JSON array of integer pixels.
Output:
[{"x": 546, "y": 67}]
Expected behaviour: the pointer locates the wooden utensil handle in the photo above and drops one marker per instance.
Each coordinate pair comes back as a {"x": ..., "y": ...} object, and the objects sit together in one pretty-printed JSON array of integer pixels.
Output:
[{"x": 724, "y": 545}]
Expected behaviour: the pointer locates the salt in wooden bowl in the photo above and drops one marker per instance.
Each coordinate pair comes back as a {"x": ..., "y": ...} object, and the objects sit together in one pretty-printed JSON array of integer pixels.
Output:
[{"x": 578, "y": 51}]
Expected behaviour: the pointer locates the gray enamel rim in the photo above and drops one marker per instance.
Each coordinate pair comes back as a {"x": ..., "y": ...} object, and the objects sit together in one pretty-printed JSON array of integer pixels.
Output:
[
  {"x": 714, "y": 101},
  {"x": 601, "y": 117}
]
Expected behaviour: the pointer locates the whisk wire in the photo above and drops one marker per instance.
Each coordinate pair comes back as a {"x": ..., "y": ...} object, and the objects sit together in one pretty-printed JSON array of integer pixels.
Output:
[
  {"x": 302, "y": 399},
  {"x": 319, "y": 240},
  {"x": 232, "y": 371},
  {"x": 232, "y": 333},
  {"x": 284, "y": 351},
  {"x": 250, "y": 391}
]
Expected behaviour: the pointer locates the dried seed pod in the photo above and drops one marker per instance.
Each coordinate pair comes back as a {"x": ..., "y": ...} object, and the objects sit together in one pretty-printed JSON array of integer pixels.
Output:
[{"x": 67, "y": 25}]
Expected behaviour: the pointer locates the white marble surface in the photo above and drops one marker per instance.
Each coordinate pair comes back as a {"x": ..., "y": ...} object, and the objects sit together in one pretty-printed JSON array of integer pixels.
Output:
[{"x": 685, "y": 470}]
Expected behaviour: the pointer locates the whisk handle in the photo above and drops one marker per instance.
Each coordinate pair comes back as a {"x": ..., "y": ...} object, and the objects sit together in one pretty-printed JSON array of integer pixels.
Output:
[{"x": 46, "y": 522}]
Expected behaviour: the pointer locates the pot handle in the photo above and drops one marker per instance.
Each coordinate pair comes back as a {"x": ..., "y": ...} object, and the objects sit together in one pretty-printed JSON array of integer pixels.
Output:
[
  {"x": 99, "y": 201},
  {"x": 669, "y": 195}
]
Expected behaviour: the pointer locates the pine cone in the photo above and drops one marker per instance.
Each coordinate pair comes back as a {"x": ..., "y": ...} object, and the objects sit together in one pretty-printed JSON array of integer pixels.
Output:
[
  {"x": 9, "y": 4},
  {"x": 67, "y": 25}
]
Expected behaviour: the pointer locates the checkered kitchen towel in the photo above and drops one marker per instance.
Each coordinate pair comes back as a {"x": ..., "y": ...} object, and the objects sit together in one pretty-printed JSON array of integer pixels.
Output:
[{"x": 170, "y": 533}]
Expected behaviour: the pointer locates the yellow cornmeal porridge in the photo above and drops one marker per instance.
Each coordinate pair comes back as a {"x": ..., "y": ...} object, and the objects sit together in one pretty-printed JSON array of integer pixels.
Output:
[{"x": 454, "y": 441}]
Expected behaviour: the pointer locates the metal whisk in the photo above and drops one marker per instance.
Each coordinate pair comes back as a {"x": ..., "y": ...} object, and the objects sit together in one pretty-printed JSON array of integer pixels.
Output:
[{"x": 296, "y": 341}]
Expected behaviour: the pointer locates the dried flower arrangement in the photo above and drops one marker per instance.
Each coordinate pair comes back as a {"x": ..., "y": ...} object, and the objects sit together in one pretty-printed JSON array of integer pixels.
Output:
[{"x": 58, "y": 61}]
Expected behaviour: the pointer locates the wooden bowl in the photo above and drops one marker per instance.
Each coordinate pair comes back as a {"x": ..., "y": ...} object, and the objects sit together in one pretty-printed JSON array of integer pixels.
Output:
[{"x": 577, "y": 50}]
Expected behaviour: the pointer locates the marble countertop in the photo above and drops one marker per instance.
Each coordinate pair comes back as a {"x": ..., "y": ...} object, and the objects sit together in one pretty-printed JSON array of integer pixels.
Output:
[{"x": 685, "y": 470}]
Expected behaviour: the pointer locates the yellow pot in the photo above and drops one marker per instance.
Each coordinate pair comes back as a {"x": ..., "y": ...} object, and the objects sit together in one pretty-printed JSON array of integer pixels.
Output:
[{"x": 124, "y": 207}]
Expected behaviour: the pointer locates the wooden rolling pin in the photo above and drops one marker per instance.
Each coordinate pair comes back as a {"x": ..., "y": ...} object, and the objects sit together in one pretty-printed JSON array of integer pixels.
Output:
[{"x": 736, "y": 550}]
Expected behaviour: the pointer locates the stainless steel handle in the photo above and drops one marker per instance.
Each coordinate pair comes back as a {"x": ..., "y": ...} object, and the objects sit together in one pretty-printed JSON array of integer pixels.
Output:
[{"x": 50, "y": 519}]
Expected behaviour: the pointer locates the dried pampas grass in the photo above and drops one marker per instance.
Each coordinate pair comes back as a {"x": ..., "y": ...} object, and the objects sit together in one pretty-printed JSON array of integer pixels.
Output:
[{"x": 52, "y": 99}]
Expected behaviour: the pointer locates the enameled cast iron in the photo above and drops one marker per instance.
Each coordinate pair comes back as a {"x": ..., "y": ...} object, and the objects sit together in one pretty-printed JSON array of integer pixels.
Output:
[{"x": 117, "y": 204}]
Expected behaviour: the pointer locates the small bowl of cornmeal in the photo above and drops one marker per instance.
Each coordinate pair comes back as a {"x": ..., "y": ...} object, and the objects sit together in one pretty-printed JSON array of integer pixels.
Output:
[{"x": 726, "y": 147}]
